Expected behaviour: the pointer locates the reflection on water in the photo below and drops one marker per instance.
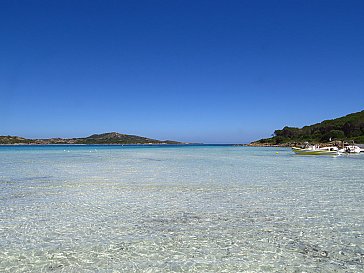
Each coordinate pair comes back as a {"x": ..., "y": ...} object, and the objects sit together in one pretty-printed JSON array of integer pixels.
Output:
[{"x": 162, "y": 209}]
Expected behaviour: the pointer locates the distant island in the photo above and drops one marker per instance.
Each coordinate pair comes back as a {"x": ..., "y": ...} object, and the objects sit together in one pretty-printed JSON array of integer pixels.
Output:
[
  {"x": 344, "y": 129},
  {"x": 106, "y": 138}
]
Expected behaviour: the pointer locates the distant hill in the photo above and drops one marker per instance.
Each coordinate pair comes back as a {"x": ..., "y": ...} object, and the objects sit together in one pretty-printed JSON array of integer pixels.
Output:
[
  {"x": 106, "y": 138},
  {"x": 116, "y": 138},
  {"x": 13, "y": 140},
  {"x": 347, "y": 128}
]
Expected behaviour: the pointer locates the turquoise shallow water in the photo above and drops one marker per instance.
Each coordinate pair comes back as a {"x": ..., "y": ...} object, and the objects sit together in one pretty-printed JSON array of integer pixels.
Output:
[{"x": 179, "y": 209}]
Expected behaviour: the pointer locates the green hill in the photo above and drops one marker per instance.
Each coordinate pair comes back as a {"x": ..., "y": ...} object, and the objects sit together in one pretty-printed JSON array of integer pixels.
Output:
[
  {"x": 106, "y": 138},
  {"x": 116, "y": 138},
  {"x": 347, "y": 128}
]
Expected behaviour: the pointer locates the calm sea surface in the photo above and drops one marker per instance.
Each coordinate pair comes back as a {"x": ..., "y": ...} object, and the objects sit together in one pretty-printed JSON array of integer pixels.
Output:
[{"x": 179, "y": 209}]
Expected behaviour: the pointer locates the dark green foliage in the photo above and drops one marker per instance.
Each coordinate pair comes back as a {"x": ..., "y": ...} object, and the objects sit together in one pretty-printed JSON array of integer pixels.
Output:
[
  {"x": 336, "y": 134},
  {"x": 359, "y": 139},
  {"x": 350, "y": 127},
  {"x": 287, "y": 132}
]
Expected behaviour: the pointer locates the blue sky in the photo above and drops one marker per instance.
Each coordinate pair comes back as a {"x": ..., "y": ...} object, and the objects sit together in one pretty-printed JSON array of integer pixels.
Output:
[{"x": 203, "y": 71}]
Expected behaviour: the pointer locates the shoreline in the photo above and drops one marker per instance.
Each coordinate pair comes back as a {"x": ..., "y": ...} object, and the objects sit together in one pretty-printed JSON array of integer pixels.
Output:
[
  {"x": 117, "y": 144},
  {"x": 95, "y": 144}
]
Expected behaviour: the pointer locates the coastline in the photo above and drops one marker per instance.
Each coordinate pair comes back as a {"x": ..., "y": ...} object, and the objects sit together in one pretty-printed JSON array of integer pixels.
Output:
[
  {"x": 253, "y": 144},
  {"x": 111, "y": 138},
  {"x": 97, "y": 144}
]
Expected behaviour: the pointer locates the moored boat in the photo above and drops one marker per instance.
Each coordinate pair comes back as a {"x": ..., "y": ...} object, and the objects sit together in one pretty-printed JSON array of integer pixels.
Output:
[
  {"x": 350, "y": 149},
  {"x": 316, "y": 150}
]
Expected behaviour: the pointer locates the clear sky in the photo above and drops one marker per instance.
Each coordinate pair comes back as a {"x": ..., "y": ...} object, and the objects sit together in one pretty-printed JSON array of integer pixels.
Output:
[{"x": 204, "y": 71}]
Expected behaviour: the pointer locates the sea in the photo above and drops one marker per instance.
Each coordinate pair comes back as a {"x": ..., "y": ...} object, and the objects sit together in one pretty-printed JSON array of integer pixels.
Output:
[{"x": 185, "y": 208}]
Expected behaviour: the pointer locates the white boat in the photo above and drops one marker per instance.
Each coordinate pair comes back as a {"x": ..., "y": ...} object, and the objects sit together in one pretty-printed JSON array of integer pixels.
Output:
[
  {"x": 316, "y": 150},
  {"x": 350, "y": 149}
]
